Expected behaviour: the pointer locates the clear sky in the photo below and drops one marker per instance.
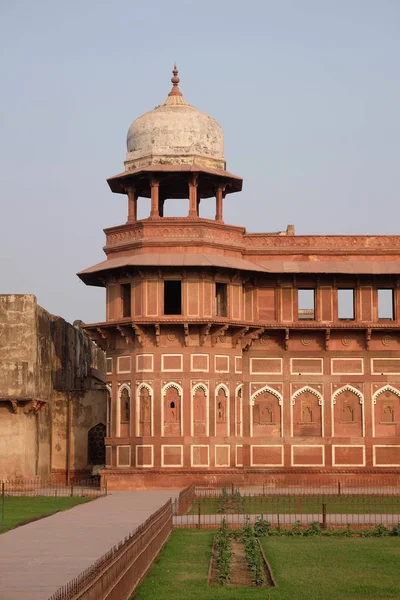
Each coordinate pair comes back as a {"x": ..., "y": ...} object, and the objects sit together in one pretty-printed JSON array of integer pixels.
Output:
[{"x": 307, "y": 93}]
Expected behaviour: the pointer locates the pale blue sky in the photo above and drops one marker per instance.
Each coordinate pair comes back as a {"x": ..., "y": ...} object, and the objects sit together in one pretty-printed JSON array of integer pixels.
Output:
[{"x": 307, "y": 93}]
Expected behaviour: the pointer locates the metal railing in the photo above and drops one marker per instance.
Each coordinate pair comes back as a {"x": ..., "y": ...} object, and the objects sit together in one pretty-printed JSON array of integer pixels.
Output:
[
  {"x": 359, "y": 503},
  {"x": 116, "y": 574},
  {"x": 44, "y": 487}
]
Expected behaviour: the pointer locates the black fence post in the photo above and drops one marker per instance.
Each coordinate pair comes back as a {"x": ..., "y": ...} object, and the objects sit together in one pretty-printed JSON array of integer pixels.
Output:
[
  {"x": 324, "y": 516},
  {"x": 2, "y": 503}
]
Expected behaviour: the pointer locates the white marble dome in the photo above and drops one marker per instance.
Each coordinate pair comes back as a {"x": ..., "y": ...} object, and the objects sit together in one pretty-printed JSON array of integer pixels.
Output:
[{"x": 175, "y": 133}]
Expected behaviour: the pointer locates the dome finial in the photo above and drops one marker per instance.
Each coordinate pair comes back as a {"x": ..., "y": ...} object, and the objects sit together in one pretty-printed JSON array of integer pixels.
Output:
[{"x": 175, "y": 83}]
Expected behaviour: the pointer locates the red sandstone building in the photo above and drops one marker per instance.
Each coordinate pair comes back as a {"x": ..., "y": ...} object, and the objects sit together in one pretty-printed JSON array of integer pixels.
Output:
[{"x": 231, "y": 355}]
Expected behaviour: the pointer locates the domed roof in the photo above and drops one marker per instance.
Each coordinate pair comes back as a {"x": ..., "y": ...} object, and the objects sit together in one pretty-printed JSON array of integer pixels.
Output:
[{"x": 175, "y": 133}]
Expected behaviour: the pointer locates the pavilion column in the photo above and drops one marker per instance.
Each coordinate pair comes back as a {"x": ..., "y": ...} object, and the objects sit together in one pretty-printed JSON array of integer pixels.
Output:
[
  {"x": 155, "y": 206},
  {"x": 132, "y": 204},
  {"x": 218, "y": 196},
  {"x": 193, "y": 204},
  {"x": 161, "y": 206}
]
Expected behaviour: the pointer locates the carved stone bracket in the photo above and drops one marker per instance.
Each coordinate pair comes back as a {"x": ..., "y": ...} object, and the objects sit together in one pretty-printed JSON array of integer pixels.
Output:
[
  {"x": 216, "y": 335},
  {"x": 327, "y": 338},
  {"x": 35, "y": 406},
  {"x": 139, "y": 334},
  {"x": 126, "y": 333},
  {"x": 105, "y": 336},
  {"x": 204, "y": 333},
  {"x": 14, "y": 406},
  {"x": 286, "y": 342},
  {"x": 238, "y": 336},
  {"x": 157, "y": 329},
  {"x": 186, "y": 332},
  {"x": 368, "y": 338}
]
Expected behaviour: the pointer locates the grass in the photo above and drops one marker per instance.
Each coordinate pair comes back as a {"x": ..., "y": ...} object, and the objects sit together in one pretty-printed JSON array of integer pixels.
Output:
[
  {"x": 304, "y": 568},
  {"x": 19, "y": 509},
  {"x": 302, "y": 505}
]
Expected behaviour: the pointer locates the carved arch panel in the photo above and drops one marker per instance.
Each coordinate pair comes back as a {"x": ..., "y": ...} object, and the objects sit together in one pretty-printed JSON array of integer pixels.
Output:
[
  {"x": 172, "y": 423},
  {"x": 386, "y": 412},
  {"x": 348, "y": 419},
  {"x": 307, "y": 413},
  {"x": 266, "y": 413},
  {"x": 221, "y": 410},
  {"x": 200, "y": 410}
]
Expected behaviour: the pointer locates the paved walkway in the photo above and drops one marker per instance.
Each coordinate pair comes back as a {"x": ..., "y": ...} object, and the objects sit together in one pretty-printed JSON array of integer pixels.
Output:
[{"x": 37, "y": 559}]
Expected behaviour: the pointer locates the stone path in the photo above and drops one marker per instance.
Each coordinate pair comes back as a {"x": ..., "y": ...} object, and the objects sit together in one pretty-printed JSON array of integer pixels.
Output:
[{"x": 38, "y": 558}]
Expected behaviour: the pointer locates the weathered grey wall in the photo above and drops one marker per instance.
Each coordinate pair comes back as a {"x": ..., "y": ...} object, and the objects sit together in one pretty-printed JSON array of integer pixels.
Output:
[{"x": 44, "y": 357}]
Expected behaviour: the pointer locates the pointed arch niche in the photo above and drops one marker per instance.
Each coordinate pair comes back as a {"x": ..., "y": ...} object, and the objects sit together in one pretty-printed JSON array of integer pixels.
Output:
[
  {"x": 266, "y": 414},
  {"x": 171, "y": 410},
  {"x": 307, "y": 410},
  {"x": 348, "y": 412},
  {"x": 221, "y": 410},
  {"x": 200, "y": 410},
  {"x": 386, "y": 412},
  {"x": 124, "y": 410},
  {"x": 144, "y": 410},
  {"x": 109, "y": 411},
  {"x": 239, "y": 410}
]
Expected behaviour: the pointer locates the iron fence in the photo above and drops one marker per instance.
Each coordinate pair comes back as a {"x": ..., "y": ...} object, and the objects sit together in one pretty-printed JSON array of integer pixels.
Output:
[
  {"x": 41, "y": 487},
  {"x": 357, "y": 503},
  {"x": 116, "y": 574},
  {"x": 309, "y": 486},
  {"x": 185, "y": 500},
  {"x": 23, "y": 501}
]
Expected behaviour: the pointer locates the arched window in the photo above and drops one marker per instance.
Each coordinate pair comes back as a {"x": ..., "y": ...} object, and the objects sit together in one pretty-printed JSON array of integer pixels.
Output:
[
  {"x": 108, "y": 412},
  {"x": 124, "y": 411},
  {"x": 96, "y": 448},
  {"x": 125, "y": 406}
]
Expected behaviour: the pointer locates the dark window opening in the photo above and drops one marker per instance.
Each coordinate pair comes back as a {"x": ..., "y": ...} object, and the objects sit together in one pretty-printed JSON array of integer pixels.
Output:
[
  {"x": 306, "y": 304},
  {"x": 172, "y": 405},
  {"x": 346, "y": 304},
  {"x": 172, "y": 297},
  {"x": 126, "y": 299},
  {"x": 125, "y": 406},
  {"x": 386, "y": 304},
  {"x": 96, "y": 448},
  {"x": 221, "y": 299}
]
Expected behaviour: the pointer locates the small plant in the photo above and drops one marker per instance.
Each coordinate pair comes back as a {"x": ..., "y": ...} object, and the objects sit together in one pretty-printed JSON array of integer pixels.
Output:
[
  {"x": 348, "y": 532},
  {"x": 395, "y": 529},
  {"x": 238, "y": 502},
  {"x": 296, "y": 529},
  {"x": 380, "y": 531},
  {"x": 223, "y": 553},
  {"x": 253, "y": 553},
  {"x": 313, "y": 529},
  {"x": 223, "y": 501},
  {"x": 262, "y": 527}
]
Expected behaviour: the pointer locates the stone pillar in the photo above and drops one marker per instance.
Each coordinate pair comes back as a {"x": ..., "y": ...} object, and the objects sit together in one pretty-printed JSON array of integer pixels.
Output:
[
  {"x": 161, "y": 206},
  {"x": 218, "y": 197},
  {"x": 132, "y": 204},
  {"x": 193, "y": 205},
  {"x": 155, "y": 207}
]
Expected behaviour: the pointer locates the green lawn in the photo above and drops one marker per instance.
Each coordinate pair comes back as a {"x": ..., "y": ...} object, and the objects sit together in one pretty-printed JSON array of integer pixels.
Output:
[
  {"x": 18, "y": 509},
  {"x": 300, "y": 505},
  {"x": 314, "y": 568}
]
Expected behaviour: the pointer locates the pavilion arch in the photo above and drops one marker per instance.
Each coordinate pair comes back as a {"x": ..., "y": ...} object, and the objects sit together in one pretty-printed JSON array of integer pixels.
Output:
[
  {"x": 273, "y": 392},
  {"x": 239, "y": 410},
  {"x": 121, "y": 389},
  {"x": 109, "y": 410},
  {"x": 309, "y": 389},
  {"x": 143, "y": 385},
  {"x": 348, "y": 388},
  {"x": 204, "y": 387},
  {"x": 317, "y": 394},
  {"x": 385, "y": 388},
  {"x": 222, "y": 386},
  {"x": 179, "y": 389},
  {"x": 268, "y": 389},
  {"x": 360, "y": 396}
]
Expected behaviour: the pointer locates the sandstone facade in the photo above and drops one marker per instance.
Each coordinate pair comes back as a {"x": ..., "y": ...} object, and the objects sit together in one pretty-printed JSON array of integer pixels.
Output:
[{"x": 232, "y": 355}]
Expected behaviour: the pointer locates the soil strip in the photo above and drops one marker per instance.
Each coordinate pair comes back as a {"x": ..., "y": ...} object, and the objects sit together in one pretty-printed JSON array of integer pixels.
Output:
[{"x": 240, "y": 574}]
